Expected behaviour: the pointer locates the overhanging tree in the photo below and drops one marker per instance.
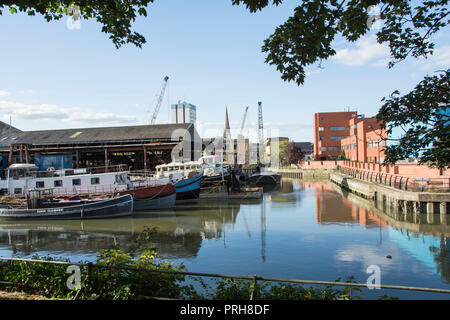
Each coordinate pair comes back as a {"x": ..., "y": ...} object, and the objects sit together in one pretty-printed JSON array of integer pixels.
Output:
[
  {"x": 115, "y": 17},
  {"x": 424, "y": 116}
]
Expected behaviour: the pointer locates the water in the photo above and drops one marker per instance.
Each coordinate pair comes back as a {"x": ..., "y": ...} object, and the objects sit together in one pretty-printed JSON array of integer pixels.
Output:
[{"x": 308, "y": 230}]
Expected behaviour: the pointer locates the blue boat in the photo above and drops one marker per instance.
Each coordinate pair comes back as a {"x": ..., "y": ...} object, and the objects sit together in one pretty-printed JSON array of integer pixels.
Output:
[{"x": 188, "y": 189}]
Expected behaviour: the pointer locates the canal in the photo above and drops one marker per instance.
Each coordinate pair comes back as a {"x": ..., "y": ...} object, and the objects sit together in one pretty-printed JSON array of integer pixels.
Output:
[{"x": 309, "y": 230}]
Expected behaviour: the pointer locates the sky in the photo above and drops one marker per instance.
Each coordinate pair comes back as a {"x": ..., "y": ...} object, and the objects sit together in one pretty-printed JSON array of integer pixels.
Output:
[{"x": 56, "y": 77}]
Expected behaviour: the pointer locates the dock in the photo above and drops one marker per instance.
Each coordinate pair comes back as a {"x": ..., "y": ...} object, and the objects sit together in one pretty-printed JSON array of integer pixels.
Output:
[
  {"x": 392, "y": 200},
  {"x": 220, "y": 192}
]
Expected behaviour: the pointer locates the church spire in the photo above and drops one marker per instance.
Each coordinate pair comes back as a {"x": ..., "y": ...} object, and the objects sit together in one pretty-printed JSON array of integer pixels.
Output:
[{"x": 226, "y": 131}]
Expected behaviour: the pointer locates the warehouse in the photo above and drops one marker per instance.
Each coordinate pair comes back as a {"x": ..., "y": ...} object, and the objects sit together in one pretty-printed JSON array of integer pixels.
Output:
[{"x": 140, "y": 147}]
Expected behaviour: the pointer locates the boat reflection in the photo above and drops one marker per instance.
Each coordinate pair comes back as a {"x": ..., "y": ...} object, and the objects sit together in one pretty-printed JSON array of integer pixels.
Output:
[{"x": 180, "y": 233}]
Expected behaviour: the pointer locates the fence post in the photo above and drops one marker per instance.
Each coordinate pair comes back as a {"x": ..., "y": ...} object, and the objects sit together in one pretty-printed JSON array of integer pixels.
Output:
[
  {"x": 253, "y": 293},
  {"x": 89, "y": 276}
]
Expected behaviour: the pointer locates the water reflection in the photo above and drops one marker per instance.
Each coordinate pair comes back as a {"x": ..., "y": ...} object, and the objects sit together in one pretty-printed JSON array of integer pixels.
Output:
[
  {"x": 180, "y": 233},
  {"x": 295, "y": 222},
  {"x": 426, "y": 242}
]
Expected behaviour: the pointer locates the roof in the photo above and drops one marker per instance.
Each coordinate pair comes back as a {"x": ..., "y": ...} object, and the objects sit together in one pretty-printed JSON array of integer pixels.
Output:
[
  {"x": 7, "y": 135},
  {"x": 101, "y": 134},
  {"x": 22, "y": 166},
  {"x": 304, "y": 145}
]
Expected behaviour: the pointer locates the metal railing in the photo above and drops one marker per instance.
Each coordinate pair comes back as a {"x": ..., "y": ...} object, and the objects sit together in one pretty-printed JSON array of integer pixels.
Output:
[
  {"x": 254, "y": 278},
  {"x": 399, "y": 182},
  {"x": 146, "y": 174}
]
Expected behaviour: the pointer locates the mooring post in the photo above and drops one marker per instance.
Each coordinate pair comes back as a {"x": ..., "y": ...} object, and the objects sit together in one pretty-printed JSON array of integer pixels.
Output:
[
  {"x": 443, "y": 212},
  {"x": 417, "y": 212},
  {"x": 430, "y": 212}
]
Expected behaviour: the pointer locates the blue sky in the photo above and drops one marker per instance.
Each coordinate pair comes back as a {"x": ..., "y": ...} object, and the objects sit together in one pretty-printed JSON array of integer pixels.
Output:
[{"x": 53, "y": 77}]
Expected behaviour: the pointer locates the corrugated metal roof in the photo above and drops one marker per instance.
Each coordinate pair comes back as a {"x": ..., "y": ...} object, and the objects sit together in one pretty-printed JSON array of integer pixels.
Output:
[
  {"x": 100, "y": 134},
  {"x": 8, "y": 134}
]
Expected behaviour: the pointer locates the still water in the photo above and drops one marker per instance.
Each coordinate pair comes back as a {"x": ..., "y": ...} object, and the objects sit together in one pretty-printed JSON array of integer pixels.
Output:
[{"x": 308, "y": 230}]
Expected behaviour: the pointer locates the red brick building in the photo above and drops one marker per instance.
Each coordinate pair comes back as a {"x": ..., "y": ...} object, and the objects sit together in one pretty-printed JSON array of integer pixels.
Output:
[{"x": 360, "y": 138}]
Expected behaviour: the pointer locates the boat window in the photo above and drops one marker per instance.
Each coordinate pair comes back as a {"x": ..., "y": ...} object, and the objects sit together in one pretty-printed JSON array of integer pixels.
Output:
[
  {"x": 76, "y": 182},
  {"x": 58, "y": 183},
  {"x": 39, "y": 184},
  {"x": 95, "y": 180}
]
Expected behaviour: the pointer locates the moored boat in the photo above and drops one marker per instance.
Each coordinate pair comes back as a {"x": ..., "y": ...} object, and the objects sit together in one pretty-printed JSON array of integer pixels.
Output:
[
  {"x": 152, "y": 197},
  {"x": 21, "y": 177},
  {"x": 187, "y": 178},
  {"x": 263, "y": 177},
  {"x": 41, "y": 205},
  {"x": 188, "y": 189}
]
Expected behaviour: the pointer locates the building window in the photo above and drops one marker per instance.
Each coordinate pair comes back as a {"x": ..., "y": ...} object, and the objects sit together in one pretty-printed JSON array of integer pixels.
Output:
[
  {"x": 17, "y": 190},
  {"x": 321, "y": 129},
  {"x": 334, "y": 148},
  {"x": 39, "y": 184},
  {"x": 337, "y": 128},
  {"x": 321, "y": 138},
  {"x": 337, "y": 137},
  {"x": 95, "y": 180},
  {"x": 76, "y": 182},
  {"x": 323, "y": 149},
  {"x": 57, "y": 183},
  {"x": 353, "y": 126}
]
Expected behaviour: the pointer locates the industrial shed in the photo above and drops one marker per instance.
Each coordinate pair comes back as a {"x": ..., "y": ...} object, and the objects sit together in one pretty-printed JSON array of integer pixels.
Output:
[{"x": 139, "y": 147}]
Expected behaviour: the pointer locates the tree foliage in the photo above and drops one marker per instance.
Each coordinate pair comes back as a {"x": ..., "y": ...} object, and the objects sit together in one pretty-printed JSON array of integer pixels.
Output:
[
  {"x": 307, "y": 37},
  {"x": 115, "y": 17},
  {"x": 424, "y": 116},
  {"x": 292, "y": 153}
]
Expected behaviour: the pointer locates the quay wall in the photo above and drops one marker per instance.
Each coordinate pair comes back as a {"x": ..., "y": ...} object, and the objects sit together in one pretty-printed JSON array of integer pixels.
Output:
[
  {"x": 387, "y": 197},
  {"x": 302, "y": 173},
  {"x": 391, "y": 199}
]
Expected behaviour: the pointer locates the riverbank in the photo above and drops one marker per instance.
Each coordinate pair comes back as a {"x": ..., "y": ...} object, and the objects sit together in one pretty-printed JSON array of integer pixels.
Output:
[{"x": 17, "y": 295}]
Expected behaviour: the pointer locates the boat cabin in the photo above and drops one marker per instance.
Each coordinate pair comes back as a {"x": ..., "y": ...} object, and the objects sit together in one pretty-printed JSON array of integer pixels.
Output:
[
  {"x": 22, "y": 177},
  {"x": 165, "y": 170},
  {"x": 21, "y": 170}
]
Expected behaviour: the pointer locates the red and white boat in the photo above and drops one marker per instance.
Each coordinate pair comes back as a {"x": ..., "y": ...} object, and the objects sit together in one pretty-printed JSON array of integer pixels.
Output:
[{"x": 103, "y": 182}]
